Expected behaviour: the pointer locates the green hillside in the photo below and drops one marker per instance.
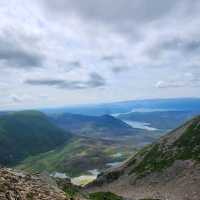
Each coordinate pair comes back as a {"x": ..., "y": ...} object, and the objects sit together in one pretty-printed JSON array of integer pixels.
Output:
[
  {"x": 95, "y": 126},
  {"x": 161, "y": 155},
  {"x": 27, "y": 133},
  {"x": 181, "y": 144},
  {"x": 78, "y": 156}
]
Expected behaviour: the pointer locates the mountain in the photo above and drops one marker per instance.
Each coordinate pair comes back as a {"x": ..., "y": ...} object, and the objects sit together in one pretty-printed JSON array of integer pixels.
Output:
[
  {"x": 27, "y": 133},
  {"x": 37, "y": 144},
  {"x": 181, "y": 104},
  {"x": 94, "y": 126},
  {"x": 167, "y": 169}
]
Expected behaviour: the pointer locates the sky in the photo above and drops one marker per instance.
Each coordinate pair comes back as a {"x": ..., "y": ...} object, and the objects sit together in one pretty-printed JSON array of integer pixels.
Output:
[{"x": 65, "y": 52}]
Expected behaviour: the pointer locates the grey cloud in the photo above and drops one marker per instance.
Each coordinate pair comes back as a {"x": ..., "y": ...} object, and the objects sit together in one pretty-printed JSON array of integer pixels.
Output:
[
  {"x": 74, "y": 64},
  {"x": 94, "y": 81},
  {"x": 119, "y": 69},
  {"x": 172, "y": 84},
  {"x": 176, "y": 45},
  {"x": 143, "y": 21},
  {"x": 112, "y": 11},
  {"x": 15, "y": 99},
  {"x": 109, "y": 58},
  {"x": 186, "y": 80},
  {"x": 14, "y": 54},
  {"x": 49, "y": 82},
  {"x": 112, "y": 58}
]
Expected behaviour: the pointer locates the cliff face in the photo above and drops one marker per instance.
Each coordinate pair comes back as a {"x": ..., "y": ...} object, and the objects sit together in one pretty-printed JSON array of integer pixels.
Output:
[
  {"x": 19, "y": 186},
  {"x": 167, "y": 169}
]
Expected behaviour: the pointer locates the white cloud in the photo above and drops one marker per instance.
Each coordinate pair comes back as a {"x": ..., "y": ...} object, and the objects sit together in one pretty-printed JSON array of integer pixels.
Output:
[
  {"x": 163, "y": 84},
  {"x": 70, "y": 40}
]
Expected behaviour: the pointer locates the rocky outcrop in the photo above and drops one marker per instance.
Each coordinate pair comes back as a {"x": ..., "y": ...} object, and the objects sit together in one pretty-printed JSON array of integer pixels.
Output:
[{"x": 19, "y": 186}]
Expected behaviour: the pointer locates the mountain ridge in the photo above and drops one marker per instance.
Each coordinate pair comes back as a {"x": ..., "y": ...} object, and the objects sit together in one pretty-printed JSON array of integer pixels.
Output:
[
  {"x": 158, "y": 168},
  {"x": 27, "y": 133},
  {"x": 94, "y": 126}
]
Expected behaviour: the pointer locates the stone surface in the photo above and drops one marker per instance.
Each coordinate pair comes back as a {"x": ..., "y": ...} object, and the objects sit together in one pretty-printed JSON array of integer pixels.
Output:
[{"x": 20, "y": 186}]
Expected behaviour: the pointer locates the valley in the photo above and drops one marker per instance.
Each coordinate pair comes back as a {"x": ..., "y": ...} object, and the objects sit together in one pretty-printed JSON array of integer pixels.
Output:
[
  {"x": 134, "y": 155},
  {"x": 84, "y": 153},
  {"x": 99, "y": 100}
]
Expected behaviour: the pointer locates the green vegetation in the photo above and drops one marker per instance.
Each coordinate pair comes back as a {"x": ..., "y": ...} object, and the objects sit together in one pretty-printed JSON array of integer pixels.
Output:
[
  {"x": 83, "y": 152},
  {"x": 189, "y": 143},
  {"x": 27, "y": 133},
  {"x": 114, "y": 175},
  {"x": 30, "y": 196},
  {"x": 104, "y": 196},
  {"x": 71, "y": 191},
  {"x": 93, "y": 126},
  {"x": 160, "y": 156}
]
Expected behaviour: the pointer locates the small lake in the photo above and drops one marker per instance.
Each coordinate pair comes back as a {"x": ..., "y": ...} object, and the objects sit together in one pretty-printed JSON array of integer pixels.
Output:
[
  {"x": 141, "y": 125},
  {"x": 59, "y": 175},
  {"x": 114, "y": 164}
]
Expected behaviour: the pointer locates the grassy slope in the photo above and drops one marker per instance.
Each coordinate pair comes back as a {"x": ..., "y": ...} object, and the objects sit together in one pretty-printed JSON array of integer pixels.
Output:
[
  {"x": 74, "y": 192},
  {"x": 78, "y": 156},
  {"x": 159, "y": 156},
  {"x": 104, "y": 196},
  {"x": 181, "y": 144},
  {"x": 27, "y": 133}
]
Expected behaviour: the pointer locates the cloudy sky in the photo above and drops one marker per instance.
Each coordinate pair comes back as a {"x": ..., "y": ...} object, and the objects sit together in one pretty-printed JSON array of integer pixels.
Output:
[{"x": 63, "y": 52}]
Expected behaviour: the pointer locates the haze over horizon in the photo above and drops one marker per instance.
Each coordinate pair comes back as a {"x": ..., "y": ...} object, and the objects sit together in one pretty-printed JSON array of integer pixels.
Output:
[{"x": 55, "y": 53}]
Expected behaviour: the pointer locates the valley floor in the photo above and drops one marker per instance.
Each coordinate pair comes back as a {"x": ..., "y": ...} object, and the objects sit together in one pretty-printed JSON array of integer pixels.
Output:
[{"x": 81, "y": 156}]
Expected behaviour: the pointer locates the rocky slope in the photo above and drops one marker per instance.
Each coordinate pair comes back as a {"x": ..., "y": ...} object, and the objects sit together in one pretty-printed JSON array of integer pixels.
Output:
[
  {"x": 167, "y": 169},
  {"x": 15, "y": 185},
  {"x": 19, "y": 186}
]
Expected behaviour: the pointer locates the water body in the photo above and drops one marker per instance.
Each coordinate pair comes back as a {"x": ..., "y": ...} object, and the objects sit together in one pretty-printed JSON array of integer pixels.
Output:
[
  {"x": 114, "y": 164},
  {"x": 141, "y": 125},
  {"x": 59, "y": 175},
  {"x": 94, "y": 172},
  {"x": 117, "y": 155}
]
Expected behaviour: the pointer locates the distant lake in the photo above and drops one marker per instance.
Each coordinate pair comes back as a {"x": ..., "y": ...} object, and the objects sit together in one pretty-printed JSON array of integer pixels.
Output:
[
  {"x": 59, "y": 175},
  {"x": 140, "y": 125},
  {"x": 94, "y": 172},
  {"x": 114, "y": 164}
]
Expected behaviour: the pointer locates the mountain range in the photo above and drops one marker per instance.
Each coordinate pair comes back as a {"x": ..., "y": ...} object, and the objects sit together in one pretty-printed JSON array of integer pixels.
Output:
[
  {"x": 146, "y": 105},
  {"x": 105, "y": 126},
  {"x": 169, "y": 168},
  {"x": 134, "y": 162},
  {"x": 33, "y": 141}
]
